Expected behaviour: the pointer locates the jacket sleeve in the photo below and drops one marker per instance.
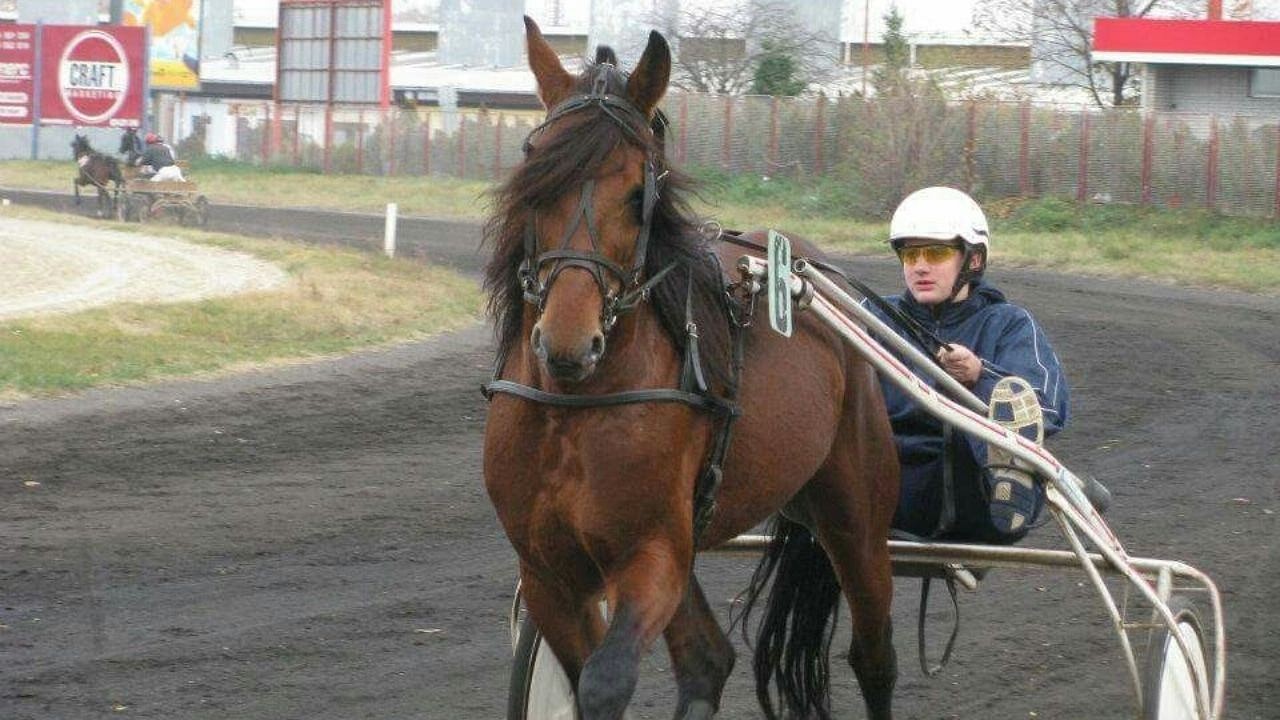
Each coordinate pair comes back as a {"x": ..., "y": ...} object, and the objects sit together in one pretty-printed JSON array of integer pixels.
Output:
[{"x": 1023, "y": 350}]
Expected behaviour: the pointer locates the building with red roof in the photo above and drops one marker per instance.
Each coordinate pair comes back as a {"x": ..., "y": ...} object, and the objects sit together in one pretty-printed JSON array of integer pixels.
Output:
[{"x": 1212, "y": 66}]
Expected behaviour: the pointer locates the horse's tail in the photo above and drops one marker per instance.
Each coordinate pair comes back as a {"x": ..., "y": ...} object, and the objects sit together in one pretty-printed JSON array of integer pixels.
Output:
[
  {"x": 792, "y": 649},
  {"x": 116, "y": 176}
]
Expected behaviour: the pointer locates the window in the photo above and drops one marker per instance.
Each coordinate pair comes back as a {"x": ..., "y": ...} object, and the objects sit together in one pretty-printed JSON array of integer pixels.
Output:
[{"x": 1264, "y": 82}]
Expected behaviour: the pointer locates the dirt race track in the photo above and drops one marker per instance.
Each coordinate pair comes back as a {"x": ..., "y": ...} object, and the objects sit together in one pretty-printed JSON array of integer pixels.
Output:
[{"x": 315, "y": 541}]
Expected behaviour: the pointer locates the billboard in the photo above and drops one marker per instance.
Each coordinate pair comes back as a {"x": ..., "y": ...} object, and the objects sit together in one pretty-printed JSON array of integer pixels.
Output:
[
  {"x": 92, "y": 75},
  {"x": 84, "y": 75},
  {"x": 334, "y": 51},
  {"x": 175, "y": 39},
  {"x": 17, "y": 73}
]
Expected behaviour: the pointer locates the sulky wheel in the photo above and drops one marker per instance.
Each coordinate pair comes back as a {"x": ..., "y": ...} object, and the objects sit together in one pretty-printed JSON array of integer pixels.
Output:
[
  {"x": 195, "y": 213},
  {"x": 202, "y": 211},
  {"x": 128, "y": 209},
  {"x": 539, "y": 688},
  {"x": 1169, "y": 687}
]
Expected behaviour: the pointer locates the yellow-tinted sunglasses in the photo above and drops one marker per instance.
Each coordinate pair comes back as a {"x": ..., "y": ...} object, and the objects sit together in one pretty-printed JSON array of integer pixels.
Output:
[{"x": 932, "y": 254}]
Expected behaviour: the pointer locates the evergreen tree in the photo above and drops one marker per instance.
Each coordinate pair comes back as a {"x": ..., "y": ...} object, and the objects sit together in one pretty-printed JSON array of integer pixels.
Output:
[
  {"x": 775, "y": 74},
  {"x": 897, "y": 52}
]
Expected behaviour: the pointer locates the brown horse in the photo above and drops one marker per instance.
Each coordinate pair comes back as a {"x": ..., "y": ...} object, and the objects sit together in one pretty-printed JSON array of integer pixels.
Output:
[
  {"x": 611, "y": 315},
  {"x": 96, "y": 169}
]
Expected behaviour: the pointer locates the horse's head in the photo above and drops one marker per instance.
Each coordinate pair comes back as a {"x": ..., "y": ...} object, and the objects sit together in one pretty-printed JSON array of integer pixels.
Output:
[
  {"x": 582, "y": 202},
  {"x": 80, "y": 146}
]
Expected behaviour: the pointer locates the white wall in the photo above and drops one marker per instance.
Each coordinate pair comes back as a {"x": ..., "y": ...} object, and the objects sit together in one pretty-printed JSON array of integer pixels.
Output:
[{"x": 1206, "y": 89}]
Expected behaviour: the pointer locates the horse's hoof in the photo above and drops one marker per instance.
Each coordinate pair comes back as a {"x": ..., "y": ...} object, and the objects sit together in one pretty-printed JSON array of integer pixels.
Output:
[{"x": 698, "y": 710}]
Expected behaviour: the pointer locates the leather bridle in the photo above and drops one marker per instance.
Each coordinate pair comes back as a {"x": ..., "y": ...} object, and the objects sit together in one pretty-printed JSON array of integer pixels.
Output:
[
  {"x": 621, "y": 289},
  {"x": 632, "y": 289}
]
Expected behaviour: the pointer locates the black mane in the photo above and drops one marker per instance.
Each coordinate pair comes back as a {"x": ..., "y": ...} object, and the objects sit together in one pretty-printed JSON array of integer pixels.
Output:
[{"x": 559, "y": 165}]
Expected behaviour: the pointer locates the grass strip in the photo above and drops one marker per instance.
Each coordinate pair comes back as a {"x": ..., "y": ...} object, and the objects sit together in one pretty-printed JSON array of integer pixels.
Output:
[
  {"x": 1190, "y": 247},
  {"x": 335, "y": 301}
]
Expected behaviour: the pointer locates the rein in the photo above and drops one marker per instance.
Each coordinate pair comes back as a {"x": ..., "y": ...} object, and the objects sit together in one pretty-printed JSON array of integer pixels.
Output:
[{"x": 923, "y": 335}]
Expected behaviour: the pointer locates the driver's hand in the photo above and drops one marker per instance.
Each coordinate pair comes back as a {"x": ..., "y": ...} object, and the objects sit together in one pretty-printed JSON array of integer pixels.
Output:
[{"x": 960, "y": 363}]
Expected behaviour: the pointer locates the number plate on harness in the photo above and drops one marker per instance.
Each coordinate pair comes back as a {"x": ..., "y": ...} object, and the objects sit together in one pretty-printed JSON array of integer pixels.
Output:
[{"x": 779, "y": 283}]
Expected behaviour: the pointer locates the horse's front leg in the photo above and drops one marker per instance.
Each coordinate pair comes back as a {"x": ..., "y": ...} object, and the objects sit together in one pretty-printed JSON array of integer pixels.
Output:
[
  {"x": 75, "y": 186},
  {"x": 701, "y": 655},
  {"x": 570, "y": 622},
  {"x": 644, "y": 594}
]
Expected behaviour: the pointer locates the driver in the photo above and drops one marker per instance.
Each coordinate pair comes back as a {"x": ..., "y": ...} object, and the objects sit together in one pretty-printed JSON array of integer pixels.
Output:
[
  {"x": 157, "y": 160},
  {"x": 995, "y": 349}
]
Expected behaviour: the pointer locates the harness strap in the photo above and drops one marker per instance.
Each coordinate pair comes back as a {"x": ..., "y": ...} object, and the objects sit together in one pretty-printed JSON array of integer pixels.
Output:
[
  {"x": 928, "y": 669},
  {"x": 691, "y": 376},
  {"x": 639, "y": 294},
  {"x": 708, "y": 487},
  {"x": 947, "y": 515},
  {"x": 704, "y": 499},
  {"x": 702, "y": 402}
]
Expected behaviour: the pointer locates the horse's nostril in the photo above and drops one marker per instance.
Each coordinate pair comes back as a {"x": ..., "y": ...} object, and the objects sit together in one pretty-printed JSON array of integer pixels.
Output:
[{"x": 597, "y": 346}]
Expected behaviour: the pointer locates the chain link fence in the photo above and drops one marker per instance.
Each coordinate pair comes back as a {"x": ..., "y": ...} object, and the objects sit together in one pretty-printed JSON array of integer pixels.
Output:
[{"x": 879, "y": 149}]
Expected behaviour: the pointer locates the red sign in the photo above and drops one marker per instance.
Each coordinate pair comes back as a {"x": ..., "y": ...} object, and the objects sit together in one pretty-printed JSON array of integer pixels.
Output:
[
  {"x": 17, "y": 72},
  {"x": 1206, "y": 42},
  {"x": 92, "y": 75}
]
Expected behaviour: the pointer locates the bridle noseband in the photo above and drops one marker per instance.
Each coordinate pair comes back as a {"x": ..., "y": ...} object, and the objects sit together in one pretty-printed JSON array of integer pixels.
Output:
[{"x": 633, "y": 289}]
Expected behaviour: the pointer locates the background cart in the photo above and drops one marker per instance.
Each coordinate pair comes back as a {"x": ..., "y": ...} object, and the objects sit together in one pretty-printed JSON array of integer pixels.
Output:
[{"x": 144, "y": 200}]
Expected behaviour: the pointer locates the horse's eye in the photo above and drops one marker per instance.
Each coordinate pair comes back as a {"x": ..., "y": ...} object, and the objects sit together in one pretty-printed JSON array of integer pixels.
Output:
[{"x": 635, "y": 202}]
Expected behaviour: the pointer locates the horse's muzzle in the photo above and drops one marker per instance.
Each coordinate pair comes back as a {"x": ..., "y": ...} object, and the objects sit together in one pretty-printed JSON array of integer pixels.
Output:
[{"x": 569, "y": 365}]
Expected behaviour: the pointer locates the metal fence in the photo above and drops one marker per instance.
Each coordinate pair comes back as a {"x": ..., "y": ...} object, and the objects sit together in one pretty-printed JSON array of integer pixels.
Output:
[{"x": 882, "y": 148}]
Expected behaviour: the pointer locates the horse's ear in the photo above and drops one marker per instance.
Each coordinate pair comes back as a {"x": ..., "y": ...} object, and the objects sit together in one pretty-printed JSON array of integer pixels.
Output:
[
  {"x": 648, "y": 81},
  {"x": 554, "y": 82},
  {"x": 605, "y": 54}
]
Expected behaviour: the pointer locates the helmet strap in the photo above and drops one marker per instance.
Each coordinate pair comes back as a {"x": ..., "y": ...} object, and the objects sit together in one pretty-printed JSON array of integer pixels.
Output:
[{"x": 967, "y": 274}]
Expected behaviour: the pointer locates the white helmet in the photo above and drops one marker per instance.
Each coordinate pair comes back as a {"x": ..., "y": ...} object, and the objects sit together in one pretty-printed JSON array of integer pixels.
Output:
[{"x": 940, "y": 213}]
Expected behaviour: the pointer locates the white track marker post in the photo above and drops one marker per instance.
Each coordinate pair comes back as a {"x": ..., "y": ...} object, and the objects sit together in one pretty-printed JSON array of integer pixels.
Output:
[{"x": 389, "y": 232}]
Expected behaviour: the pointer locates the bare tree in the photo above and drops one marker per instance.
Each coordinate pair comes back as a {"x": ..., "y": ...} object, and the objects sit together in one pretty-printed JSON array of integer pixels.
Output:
[
  {"x": 1061, "y": 37},
  {"x": 719, "y": 46}
]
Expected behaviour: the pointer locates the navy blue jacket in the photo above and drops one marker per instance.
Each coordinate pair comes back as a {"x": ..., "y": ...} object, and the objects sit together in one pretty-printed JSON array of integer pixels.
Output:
[{"x": 1009, "y": 342}]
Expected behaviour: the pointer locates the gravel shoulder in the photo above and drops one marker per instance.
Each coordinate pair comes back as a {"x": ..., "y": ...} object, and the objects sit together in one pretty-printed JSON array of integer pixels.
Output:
[{"x": 48, "y": 267}]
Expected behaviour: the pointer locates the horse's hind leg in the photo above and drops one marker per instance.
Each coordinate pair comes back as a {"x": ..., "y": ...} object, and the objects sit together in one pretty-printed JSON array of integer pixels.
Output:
[
  {"x": 644, "y": 596},
  {"x": 701, "y": 655},
  {"x": 867, "y": 579},
  {"x": 851, "y": 501}
]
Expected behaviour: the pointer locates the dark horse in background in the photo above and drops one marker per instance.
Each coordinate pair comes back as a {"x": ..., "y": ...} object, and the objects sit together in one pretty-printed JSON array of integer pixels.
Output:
[
  {"x": 597, "y": 278},
  {"x": 130, "y": 146},
  {"x": 96, "y": 169}
]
